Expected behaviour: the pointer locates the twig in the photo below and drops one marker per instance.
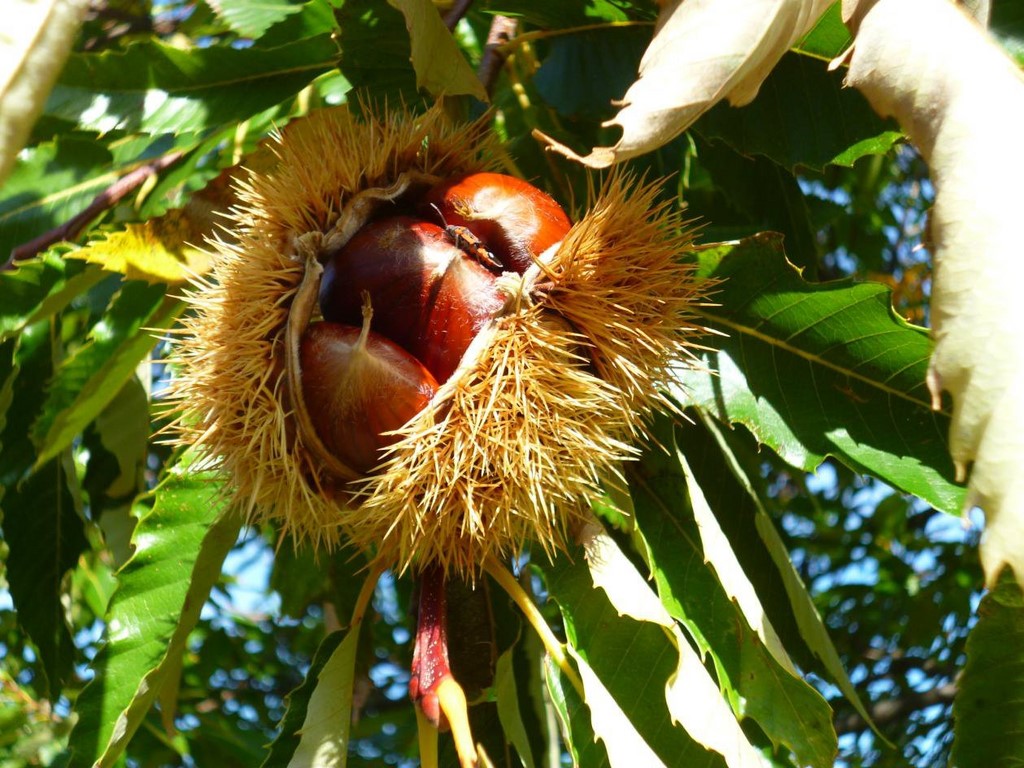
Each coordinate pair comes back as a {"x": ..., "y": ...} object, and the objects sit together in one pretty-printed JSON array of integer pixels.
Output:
[
  {"x": 889, "y": 711},
  {"x": 456, "y": 12},
  {"x": 104, "y": 200},
  {"x": 502, "y": 30}
]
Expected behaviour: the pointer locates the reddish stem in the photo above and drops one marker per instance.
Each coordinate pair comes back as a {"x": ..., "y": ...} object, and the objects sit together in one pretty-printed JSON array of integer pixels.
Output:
[{"x": 430, "y": 654}]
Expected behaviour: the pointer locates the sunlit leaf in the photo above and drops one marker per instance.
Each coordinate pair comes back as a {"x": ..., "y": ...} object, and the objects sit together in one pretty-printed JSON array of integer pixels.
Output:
[
  {"x": 440, "y": 66},
  {"x": 252, "y": 19},
  {"x": 870, "y": 407},
  {"x": 828, "y": 38},
  {"x": 180, "y": 545},
  {"x": 154, "y": 87},
  {"x": 968, "y": 135},
  {"x": 160, "y": 250},
  {"x": 37, "y": 288},
  {"x": 49, "y": 184},
  {"x": 778, "y": 584},
  {"x": 757, "y": 675},
  {"x": 694, "y": 701},
  {"x": 634, "y": 662}
]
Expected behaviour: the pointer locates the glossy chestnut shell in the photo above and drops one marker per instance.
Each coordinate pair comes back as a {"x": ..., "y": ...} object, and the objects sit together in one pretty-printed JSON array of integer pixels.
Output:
[
  {"x": 513, "y": 219},
  {"x": 429, "y": 295}
]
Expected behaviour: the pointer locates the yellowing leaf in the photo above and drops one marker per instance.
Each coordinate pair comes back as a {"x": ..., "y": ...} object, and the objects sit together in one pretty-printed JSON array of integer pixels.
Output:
[
  {"x": 35, "y": 40},
  {"x": 440, "y": 66},
  {"x": 703, "y": 51},
  {"x": 161, "y": 250},
  {"x": 961, "y": 100},
  {"x": 694, "y": 700}
]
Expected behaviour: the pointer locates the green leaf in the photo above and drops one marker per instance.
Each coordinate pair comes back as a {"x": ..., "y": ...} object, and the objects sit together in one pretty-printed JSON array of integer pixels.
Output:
[
  {"x": 739, "y": 511},
  {"x": 45, "y": 537},
  {"x": 788, "y": 710},
  {"x": 586, "y": 71},
  {"x": 749, "y": 195},
  {"x": 633, "y": 661},
  {"x": 50, "y": 184},
  {"x": 333, "y": 649},
  {"x": 327, "y": 713},
  {"x": 828, "y": 38},
  {"x": 802, "y": 116},
  {"x": 988, "y": 709},
  {"x": 574, "y": 718},
  {"x": 153, "y": 87},
  {"x": 86, "y": 382},
  {"x": 506, "y": 693},
  {"x": 440, "y": 66},
  {"x": 252, "y": 19},
  {"x": 41, "y": 525},
  {"x": 123, "y": 428},
  {"x": 694, "y": 699},
  {"x": 180, "y": 545},
  {"x": 816, "y": 370},
  {"x": 375, "y": 51},
  {"x": 1006, "y": 23},
  {"x": 38, "y": 288}
]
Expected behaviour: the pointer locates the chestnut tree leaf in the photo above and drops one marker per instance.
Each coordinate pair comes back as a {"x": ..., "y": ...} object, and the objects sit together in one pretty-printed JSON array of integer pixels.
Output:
[
  {"x": 154, "y": 87},
  {"x": 316, "y": 722},
  {"x": 440, "y": 66},
  {"x": 739, "y": 510},
  {"x": 703, "y": 51},
  {"x": 625, "y": 746},
  {"x": 35, "y": 40},
  {"x": 961, "y": 100},
  {"x": 251, "y": 19},
  {"x": 690, "y": 576},
  {"x": 694, "y": 700},
  {"x": 633, "y": 662},
  {"x": 160, "y": 250},
  {"x": 988, "y": 719},
  {"x": 180, "y": 545},
  {"x": 51, "y": 183},
  {"x": 870, "y": 407},
  {"x": 91, "y": 377},
  {"x": 42, "y": 529},
  {"x": 506, "y": 694},
  {"x": 38, "y": 288}
]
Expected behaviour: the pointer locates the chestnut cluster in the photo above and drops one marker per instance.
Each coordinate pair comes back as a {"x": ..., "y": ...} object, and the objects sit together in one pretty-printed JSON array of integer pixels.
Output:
[{"x": 404, "y": 297}]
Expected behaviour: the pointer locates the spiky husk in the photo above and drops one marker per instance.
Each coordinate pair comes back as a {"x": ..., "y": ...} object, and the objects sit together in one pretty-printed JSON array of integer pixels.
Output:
[{"x": 514, "y": 447}]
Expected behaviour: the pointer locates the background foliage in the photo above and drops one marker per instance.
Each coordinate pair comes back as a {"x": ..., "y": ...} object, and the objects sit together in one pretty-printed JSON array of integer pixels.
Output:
[{"x": 131, "y": 596}]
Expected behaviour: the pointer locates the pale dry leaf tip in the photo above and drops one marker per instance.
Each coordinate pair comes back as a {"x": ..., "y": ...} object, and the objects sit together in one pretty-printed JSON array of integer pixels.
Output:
[{"x": 930, "y": 83}]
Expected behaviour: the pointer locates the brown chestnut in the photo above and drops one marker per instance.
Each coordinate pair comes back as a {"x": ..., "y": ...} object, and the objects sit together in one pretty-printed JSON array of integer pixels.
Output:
[
  {"x": 513, "y": 219},
  {"x": 430, "y": 297},
  {"x": 357, "y": 386}
]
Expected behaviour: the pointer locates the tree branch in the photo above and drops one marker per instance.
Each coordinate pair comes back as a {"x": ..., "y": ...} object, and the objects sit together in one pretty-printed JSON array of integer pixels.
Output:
[
  {"x": 502, "y": 30},
  {"x": 896, "y": 709},
  {"x": 456, "y": 12},
  {"x": 104, "y": 200}
]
